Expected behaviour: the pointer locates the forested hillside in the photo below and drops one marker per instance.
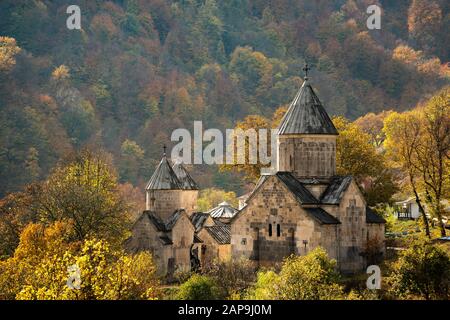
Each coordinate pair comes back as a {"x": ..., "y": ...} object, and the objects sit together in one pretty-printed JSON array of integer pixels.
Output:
[{"x": 140, "y": 69}]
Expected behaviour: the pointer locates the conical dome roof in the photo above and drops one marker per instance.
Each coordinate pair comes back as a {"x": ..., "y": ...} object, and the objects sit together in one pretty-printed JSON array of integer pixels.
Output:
[
  {"x": 183, "y": 176},
  {"x": 164, "y": 178},
  {"x": 306, "y": 115},
  {"x": 223, "y": 210}
]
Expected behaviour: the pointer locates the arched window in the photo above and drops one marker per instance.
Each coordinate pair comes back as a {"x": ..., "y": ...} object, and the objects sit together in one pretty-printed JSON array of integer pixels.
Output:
[
  {"x": 278, "y": 230},
  {"x": 270, "y": 229},
  {"x": 152, "y": 201}
]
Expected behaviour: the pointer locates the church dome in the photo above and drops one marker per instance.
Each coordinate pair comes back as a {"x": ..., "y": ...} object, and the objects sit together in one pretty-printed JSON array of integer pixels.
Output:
[
  {"x": 164, "y": 178},
  {"x": 223, "y": 210},
  {"x": 306, "y": 115},
  {"x": 184, "y": 177}
]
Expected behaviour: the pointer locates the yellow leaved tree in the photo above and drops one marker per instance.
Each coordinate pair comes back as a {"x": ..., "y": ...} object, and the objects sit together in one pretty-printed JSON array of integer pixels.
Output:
[{"x": 45, "y": 260}]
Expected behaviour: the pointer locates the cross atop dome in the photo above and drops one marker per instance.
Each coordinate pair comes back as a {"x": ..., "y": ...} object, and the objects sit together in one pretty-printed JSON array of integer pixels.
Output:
[
  {"x": 306, "y": 68},
  {"x": 306, "y": 115}
]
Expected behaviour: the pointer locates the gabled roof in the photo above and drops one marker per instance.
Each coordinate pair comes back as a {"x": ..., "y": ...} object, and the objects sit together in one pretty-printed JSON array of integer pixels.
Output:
[
  {"x": 322, "y": 216},
  {"x": 335, "y": 190},
  {"x": 293, "y": 184},
  {"x": 217, "y": 222},
  {"x": 183, "y": 176},
  {"x": 409, "y": 200},
  {"x": 161, "y": 225},
  {"x": 164, "y": 178},
  {"x": 223, "y": 210},
  {"x": 373, "y": 217},
  {"x": 222, "y": 234},
  {"x": 172, "y": 220},
  {"x": 197, "y": 239},
  {"x": 198, "y": 220},
  {"x": 165, "y": 239},
  {"x": 298, "y": 190},
  {"x": 306, "y": 115},
  {"x": 156, "y": 220}
]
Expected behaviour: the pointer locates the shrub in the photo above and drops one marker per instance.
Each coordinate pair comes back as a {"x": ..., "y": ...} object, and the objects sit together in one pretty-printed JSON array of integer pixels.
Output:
[
  {"x": 264, "y": 286},
  {"x": 198, "y": 287},
  {"x": 233, "y": 277},
  {"x": 422, "y": 271},
  {"x": 310, "y": 277}
]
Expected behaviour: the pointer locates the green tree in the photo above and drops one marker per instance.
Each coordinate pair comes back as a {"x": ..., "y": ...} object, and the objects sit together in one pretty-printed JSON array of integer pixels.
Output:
[
  {"x": 79, "y": 121},
  {"x": 83, "y": 191},
  {"x": 310, "y": 277},
  {"x": 131, "y": 161},
  {"x": 198, "y": 287},
  {"x": 251, "y": 69},
  {"x": 39, "y": 268},
  {"x": 32, "y": 164},
  {"x": 357, "y": 156},
  {"x": 433, "y": 153},
  {"x": 422, "y": 271},
  {"x": 424, "y": 23}
]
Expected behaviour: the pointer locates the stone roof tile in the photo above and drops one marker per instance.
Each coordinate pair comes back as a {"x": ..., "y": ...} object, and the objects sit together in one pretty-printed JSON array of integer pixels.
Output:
[
  {"x": 198, "y": 220},
  {"x": 187, "y": 182},
  {"x": 164, "y": 178},
  {"x": 223, "y": 210},
  {"x": 335, "y": 190},
  {"x": 306, "y": 115},
  {"x": 222, "y": 234},
  {"x": 322, "y": 216},
  {"x": 296, "y": 187},
  {"x": 373, "y": 217}
]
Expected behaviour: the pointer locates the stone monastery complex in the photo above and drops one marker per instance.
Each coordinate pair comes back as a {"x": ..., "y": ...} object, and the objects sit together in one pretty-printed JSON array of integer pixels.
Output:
[{"x": 301, "y": 206}]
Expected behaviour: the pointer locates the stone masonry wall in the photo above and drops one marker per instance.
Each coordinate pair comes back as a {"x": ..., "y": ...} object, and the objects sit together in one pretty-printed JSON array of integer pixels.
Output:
[
  {"x": 182, "y": 239},
  {"x": 145, "y": 237},
  {"x": 353, "y": 229},
  {"x": 310, "y": 156},
  {"x": 167, "y": 257},
  {"x": 274, "y": 205},
  {"x": 165, "y": 202}
]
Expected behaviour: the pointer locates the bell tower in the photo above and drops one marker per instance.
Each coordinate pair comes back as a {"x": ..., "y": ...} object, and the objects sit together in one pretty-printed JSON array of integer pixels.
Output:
[
  {"x": 170, "y": 188},
  {"x": 307, "y": 137}
]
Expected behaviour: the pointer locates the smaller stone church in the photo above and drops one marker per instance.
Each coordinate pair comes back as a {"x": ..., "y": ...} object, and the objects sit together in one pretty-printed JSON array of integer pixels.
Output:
[
  {"x": 179, "y": 237},
  {"x": 301, "y": 206}
]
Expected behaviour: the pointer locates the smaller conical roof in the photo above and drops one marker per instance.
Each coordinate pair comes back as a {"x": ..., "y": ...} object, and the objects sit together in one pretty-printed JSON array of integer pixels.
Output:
[
  {"x": 223, "y": 210},
  {"x": 184, "y": 177},
  {"x": 164, "y": 178}
]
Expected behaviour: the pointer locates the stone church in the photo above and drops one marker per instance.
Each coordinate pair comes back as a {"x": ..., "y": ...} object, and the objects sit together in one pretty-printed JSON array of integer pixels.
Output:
[
  {"x": 179, "y": 237},
  {"x": 304, "y": 204}
]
